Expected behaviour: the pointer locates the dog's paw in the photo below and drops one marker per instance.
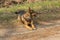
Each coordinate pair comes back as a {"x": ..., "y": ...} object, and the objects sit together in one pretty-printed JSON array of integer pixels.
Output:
[{"x": 34, "y": 28}]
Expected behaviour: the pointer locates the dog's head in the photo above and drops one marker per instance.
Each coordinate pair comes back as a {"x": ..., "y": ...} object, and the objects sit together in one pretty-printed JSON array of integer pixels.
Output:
[{"x": 32, "y": 12}]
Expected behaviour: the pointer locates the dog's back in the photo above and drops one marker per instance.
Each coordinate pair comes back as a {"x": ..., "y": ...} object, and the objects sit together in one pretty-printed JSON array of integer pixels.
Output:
[{"x": 20, "y": 12}]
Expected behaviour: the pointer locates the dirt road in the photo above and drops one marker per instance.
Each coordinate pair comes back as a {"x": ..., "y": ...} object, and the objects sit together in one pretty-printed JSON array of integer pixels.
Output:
[{"x": 45, "y": 31}]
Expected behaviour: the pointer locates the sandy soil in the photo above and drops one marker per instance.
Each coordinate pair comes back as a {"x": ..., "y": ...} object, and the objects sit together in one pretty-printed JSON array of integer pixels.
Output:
[{"x": 45, "y": 31}]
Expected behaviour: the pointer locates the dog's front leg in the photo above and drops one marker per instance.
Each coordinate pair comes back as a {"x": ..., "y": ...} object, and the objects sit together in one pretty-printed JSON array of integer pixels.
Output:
[
  {"x": 33, "y": 26},
  {"x": 28, "y": 27}
]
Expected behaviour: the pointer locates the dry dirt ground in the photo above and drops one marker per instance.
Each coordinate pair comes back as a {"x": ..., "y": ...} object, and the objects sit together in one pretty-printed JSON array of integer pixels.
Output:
[{"x": 45, "y": 31}]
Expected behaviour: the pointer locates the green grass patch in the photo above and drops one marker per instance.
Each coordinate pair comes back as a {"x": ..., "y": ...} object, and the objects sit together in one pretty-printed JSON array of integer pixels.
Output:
[
  {"x": 36, "y": 5},
  {"x": 8, "y": 13}
]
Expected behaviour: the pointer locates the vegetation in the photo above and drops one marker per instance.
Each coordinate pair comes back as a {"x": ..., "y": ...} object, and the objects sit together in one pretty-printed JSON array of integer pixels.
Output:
[
  {"x": 49, "y": 10},
  {"x": 36, "y": 5}
]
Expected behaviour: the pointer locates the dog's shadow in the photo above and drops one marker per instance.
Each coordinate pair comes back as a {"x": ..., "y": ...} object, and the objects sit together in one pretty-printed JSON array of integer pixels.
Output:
[{"x": 45, "y": 24}]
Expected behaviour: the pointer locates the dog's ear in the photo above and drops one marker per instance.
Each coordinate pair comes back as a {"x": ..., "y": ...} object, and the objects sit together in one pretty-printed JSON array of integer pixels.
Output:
[
  {"x": 29, "y": 9},
  {"x": 34, "y": 14}
]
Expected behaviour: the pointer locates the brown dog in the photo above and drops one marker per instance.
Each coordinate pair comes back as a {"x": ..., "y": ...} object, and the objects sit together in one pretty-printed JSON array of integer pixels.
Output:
[{"x": 27, "y": 18}]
